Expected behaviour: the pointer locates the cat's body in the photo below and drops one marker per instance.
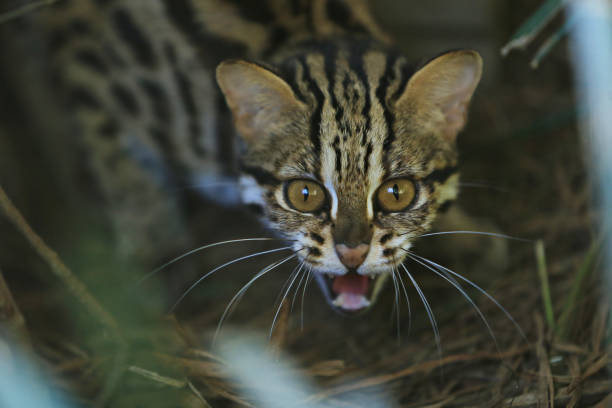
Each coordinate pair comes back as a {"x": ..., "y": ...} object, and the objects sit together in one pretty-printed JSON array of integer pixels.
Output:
[
  {"x": 326, "y": 110},
  {"x": 136, "y": 80}
]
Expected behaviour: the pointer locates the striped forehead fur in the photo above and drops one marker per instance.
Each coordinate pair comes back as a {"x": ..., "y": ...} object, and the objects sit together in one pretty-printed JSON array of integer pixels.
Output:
[
  {"x": 350, "y": 90},
  {"x": 349, "y": 87},
  {"x": 352, "y": 140}
]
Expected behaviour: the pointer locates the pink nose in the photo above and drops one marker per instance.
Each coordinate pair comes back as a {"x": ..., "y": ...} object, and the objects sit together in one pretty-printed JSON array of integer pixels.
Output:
[{"x": 352, "y": 257}]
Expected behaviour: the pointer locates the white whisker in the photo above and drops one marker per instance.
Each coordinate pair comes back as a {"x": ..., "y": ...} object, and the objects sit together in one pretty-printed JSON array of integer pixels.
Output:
[
  {"x": 309, "y": 277},
  {"x": 430, "y": 314},
  {"x": 397, "y": 309},
  {"x": 297, "y": 288},
  {"x": 206, "y": 275},
  {"x": 399, "y": 277},
  {"x": 465, "y": 295},
  {"x": 282, "y": 289},
  {"x": 490, "y": 234},
  {"x": 242, "y": 291},
  {"x": 478, "y": 288},
  {"x": 280, "y": 304},
  {"x": 483, "y": 185},
  {"x": 193, "y": 251}
]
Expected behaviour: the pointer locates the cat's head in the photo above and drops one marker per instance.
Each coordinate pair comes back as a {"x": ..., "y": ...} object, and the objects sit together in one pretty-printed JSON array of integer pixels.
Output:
[{"x": 350, "y": 155}]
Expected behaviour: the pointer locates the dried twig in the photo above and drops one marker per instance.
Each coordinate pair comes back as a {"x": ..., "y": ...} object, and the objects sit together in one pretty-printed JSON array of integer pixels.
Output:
[
  {"x": 593, "y": 392},
  {"x": 605, "y": 403},
  {"x": 592, "y": 369},
  {"x": 10, "y": 315},
  {"x": 573, "y": 389},
  {"x": 23, "y": 10},
  {"x": 422, "y": 367},
  {"x": 546, "y": 388},
  {"x": 156, "y": 377},
  {"x": 74, "y": 286}
]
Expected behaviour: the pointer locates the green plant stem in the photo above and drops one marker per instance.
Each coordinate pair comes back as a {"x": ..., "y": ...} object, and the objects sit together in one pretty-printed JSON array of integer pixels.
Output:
[
  {"x": 550, "y": 43},
  {"x": 584, "y": 271},
  {"x": 534, "y": 24},
  {"x": 543, "y": 275}
]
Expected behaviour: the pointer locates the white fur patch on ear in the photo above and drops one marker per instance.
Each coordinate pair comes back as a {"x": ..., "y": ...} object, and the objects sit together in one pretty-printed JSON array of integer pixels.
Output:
[
  {"x": 445, "y": 85},
  {"x": 259, "y": 99}
]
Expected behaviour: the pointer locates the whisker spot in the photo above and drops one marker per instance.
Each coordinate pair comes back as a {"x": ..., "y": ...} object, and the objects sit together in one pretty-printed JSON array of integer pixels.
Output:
[
  {"x": 317, "y": 237},
  {"x": 389, "y": 251},
  {"x": 314, "y": 251},
  {"x": 385, "y": 238}
]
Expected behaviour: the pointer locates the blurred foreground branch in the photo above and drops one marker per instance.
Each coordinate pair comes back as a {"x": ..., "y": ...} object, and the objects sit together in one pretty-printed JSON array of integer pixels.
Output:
[
  {"x": 23, "y": 10},
  {"x": 11, "y": 318},
  {"x": 52, "y": 259},
  {"x": 74, "y": 286}
]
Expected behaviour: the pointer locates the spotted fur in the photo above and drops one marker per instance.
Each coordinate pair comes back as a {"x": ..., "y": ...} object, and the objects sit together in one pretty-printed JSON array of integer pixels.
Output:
[
  {"x": 136, "y": 80},
  {"x": 315, "y": 91}
]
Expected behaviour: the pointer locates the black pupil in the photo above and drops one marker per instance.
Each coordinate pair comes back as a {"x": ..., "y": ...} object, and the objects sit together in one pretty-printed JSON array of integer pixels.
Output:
[
  {"x": 305, "y": 193},
  {"x": 396, "y": 191}
]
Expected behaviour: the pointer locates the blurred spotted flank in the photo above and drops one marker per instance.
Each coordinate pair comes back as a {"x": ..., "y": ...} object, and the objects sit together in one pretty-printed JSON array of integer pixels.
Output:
[{"x": 303, "y": 110}]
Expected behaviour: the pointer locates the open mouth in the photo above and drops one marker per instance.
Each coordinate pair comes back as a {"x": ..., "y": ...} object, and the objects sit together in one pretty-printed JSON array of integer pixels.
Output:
[{"x": 351, "y": 292}]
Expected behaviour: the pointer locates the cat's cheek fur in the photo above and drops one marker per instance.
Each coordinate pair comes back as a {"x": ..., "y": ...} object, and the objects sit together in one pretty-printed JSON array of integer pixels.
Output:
[
  {"x": 327, "y": 260},
  {"x": 449, "y": 191},
  {"x": 409, "y": 224},
  {"x": 313, "y": 242},
  {"x": 384, "y": 253},
  {"x": 323, "y": 258}
]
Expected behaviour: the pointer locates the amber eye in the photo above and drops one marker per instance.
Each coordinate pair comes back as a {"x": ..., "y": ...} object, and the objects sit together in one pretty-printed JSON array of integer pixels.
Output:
[
  {"x": 305, "y": 195},
  {"x": 395, "y": 195}
]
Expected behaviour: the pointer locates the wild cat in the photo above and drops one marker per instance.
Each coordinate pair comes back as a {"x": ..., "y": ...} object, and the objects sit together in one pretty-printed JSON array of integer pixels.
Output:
[
  {"x": 345, "y": 149},
  {"x": 350, "y": 153}
]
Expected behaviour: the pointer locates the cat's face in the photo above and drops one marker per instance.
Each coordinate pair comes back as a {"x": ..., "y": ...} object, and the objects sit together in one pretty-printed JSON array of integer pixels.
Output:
[{"x": 351, "y": 158}]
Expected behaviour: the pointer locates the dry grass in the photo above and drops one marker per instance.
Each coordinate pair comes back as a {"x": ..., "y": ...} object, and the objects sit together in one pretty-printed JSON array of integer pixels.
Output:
[
  {"x": 522, "y": 136},
  {"x": 171, "y": 363}
]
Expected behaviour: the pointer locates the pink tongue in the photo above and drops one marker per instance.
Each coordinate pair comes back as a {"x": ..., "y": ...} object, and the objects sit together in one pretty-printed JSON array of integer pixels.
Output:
[{"x": 351, "y": 283}]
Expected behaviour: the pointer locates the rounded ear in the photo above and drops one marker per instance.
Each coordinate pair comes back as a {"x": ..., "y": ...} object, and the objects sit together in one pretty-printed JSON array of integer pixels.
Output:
[
  {"x": 444, "y": 87},
  {"x": 259, "y": 99}
]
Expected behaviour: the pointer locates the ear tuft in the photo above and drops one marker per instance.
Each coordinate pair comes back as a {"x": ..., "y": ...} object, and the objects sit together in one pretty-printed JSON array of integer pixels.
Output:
[
  {"x": 444, "y": 87},
  {"x": 259, "y": 99}
]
